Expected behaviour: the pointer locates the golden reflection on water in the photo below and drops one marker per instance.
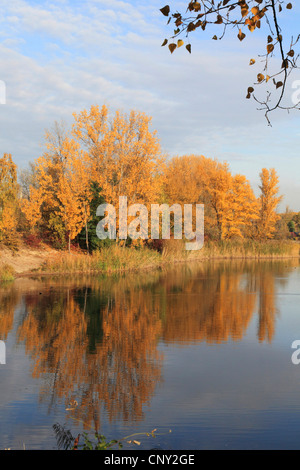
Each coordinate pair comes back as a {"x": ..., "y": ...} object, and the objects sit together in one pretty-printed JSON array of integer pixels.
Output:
[{"x": 95, "y": 341}]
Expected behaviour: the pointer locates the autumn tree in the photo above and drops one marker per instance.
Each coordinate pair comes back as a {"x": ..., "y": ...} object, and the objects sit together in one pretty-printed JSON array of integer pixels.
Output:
[
  {"x": 125, "y": 155},
  {"x": 74, "y": 194},
  {"x": 60, "y": 195},
  {"x": 241, "y": 208},
  {"x": 218, "y": 186},
  {"x": 243, "y": 17},
  {"x": 186, "y": 181},
  {"x": 230, "y": 204},
  {"x": 8, "y": 200},
  {"x": 268, "y": 202},
  {"x": 233, "y": 200},
  {"x": 117, "y": 156}
]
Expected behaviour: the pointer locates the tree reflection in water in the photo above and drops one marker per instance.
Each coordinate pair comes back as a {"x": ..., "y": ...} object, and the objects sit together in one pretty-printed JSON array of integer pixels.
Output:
[{"x": 95, "y": 341}]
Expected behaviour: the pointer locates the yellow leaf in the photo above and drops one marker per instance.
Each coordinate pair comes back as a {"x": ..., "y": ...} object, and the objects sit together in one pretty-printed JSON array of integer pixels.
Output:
[
  {"x": 254, "y": 10},
  {"x": 260, "y": 77}
]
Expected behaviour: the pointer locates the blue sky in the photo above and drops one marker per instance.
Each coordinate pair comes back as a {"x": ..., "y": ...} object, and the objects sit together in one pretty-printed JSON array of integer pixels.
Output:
[{"x": 62, "y": 56}]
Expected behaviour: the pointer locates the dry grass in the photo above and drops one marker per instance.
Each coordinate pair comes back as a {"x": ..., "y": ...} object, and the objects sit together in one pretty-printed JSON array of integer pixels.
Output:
[
  {"x": 7, "y": 273},
  {"x": 175, "y": 250},
  {"x": 108, "y": 260},
  {"x": 250, "y": 249},
  {"x": 117, "y": 259}
]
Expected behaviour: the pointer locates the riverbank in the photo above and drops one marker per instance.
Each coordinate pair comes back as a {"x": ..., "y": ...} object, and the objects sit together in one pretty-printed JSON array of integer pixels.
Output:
[{"x": 117, "y": 259}]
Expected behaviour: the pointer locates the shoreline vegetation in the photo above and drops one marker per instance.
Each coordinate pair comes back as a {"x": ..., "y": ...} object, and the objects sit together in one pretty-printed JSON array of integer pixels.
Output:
[
  {"x": 116, "y": 259},
  {"x": 107, "y": 173}
]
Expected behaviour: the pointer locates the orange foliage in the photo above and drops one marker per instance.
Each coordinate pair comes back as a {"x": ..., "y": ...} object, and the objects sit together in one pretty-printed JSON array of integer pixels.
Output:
[
  {"x": 268, "y": 203},
  {"x": 8, "y": 200}
]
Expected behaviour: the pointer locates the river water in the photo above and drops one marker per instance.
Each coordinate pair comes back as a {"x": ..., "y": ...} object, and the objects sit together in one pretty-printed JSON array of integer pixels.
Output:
[{"x": 202, "y": 350}]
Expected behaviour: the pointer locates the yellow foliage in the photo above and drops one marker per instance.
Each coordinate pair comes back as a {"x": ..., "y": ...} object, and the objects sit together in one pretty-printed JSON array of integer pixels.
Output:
[
  {"x": 268, "y": 203},
  {"x": 8, "y": 200}
]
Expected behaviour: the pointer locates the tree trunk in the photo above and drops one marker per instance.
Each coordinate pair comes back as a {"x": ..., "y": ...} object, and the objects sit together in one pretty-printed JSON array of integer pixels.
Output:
[{"x": 87, "y": 238}]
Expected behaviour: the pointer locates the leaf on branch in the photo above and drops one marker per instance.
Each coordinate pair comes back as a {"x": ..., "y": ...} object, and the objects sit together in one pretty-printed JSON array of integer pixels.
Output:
[
  {"x": 215, "y": 37},
  {"x": 251, "y": 25},
  {"x": 172, "y": 47},
  {"x": 279, "y": 84},
  {"x": 244, "y": 10},
  {"x": 260, "y": 77},
  {"x": 270, "y": 39},
  {"x": 188, "y": 48},
  {"x": 252, "y": 61},
  {"x": 180, "y": 43},
  {"x": 165, "y": 10},
  {"x": 255, "y": 10},
  {"x": 291, "y": 53},
  {"x": 249, "y": 91},
  {"x": 270, "y": 48},
  {"x": 164, "y": 43},
  {"x": 241, "y": 35},
  {"x": 289, "y": 6},
  {"x": 190, "y": 27}
]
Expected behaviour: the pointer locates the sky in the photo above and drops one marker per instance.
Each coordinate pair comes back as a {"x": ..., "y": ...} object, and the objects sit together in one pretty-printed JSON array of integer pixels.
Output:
[{"x": 62, "y": 56}]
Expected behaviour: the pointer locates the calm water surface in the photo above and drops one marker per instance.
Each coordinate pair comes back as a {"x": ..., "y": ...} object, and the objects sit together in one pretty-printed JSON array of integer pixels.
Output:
[{"x": 202, "y": 350}]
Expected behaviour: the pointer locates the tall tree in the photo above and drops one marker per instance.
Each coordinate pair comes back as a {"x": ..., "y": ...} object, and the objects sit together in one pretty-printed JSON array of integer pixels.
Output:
[
  {"x": 9, "y": 189},
  {"x": 125, "y": 154},
  {"x": 241, "y": 208},
  {"x": 268, "y": 202}
]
